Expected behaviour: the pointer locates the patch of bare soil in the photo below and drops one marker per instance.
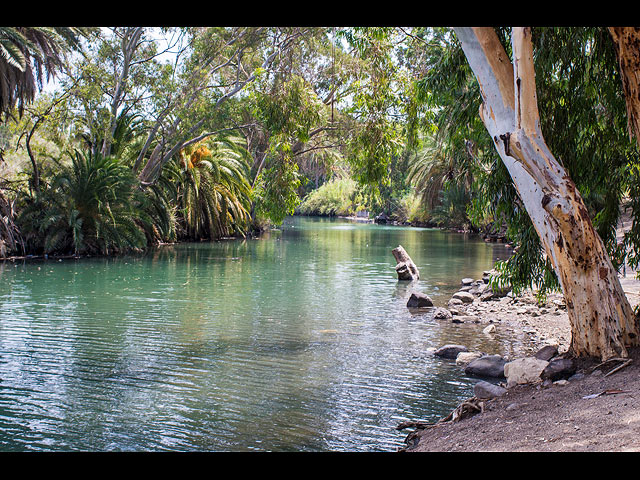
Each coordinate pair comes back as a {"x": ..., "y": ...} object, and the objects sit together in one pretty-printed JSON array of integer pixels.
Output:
[
  {"x": 599, "y": 412},
  {"x": 596, "y": 411}
]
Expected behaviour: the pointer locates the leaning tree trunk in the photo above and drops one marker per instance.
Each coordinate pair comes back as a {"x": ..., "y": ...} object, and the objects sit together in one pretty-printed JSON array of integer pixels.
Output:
[
  {"x": 405, "y": 267},
  {"x": 602, "y": 321}
]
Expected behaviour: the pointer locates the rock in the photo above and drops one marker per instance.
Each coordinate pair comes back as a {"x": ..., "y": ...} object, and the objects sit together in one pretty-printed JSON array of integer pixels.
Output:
[
  {"x": 486, "y": 366},
  {"x": 464, "y": 358},
  {"x": 455, "y": 301},
  {"x": 464, "y": 297},
  {"x": 419, "y": 300},
  {"x": 466, "y": 282},
  {"x": 489, "y": 329},
  {"x": 547, "y": 352},
  {"x": 559, "y": 369},
  {"x": 442, "y": 314},
  {"x": 465, "y": 319},
  {"x": 450, "y": 351},
  {"x": 524, "y": 370},
  {"x": 560, "y": 304},
  {"x": 576, "y": 376},
  {"x": 382, "y": 218},
  {"x": 484, "y": 389},
  {"x": 478, "y": 289}
]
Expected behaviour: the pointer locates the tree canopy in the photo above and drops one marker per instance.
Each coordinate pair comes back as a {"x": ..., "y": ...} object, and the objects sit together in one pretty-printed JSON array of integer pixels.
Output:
[{"x": 393, "y": 109}]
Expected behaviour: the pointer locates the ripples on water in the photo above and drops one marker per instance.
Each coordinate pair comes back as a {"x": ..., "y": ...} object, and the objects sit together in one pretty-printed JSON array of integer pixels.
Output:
[{"x": 297, "y": 341}]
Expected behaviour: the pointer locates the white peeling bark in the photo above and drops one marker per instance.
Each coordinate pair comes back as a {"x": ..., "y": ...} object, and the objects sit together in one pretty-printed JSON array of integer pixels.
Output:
[{"x": 602, "y": 321}]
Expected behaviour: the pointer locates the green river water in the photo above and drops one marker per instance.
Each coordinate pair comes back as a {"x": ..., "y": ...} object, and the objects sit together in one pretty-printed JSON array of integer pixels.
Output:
[{"x": 296, "y": 341}]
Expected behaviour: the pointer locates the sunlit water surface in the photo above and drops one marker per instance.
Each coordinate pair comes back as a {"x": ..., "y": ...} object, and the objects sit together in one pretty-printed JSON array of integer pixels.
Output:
[{"x": 297, "y": 341}]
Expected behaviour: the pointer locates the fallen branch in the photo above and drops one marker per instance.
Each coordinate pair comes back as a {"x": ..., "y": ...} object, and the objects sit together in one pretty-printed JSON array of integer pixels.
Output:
[
  {"x": 611, "y": 391},
  {"x": 615, "y": 359},
  {"x": 619, "y": 367}
]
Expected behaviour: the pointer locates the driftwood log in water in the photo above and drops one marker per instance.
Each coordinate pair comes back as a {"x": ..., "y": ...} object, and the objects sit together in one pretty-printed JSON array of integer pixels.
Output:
[{"x": 405, "y": 268}]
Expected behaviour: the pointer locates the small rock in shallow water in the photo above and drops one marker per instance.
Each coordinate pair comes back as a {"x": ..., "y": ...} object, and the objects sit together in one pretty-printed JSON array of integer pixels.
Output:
[
  {"x": 450, "y": 351},
  {"x": 464, "y": 297},
  {"x": 490, "y": 329},
  {"x": 418, "y": 300},
  {"x": 487, "y": 366},
  {"x": 441, "y": 313},
  {"x": 464, "y": 358}
]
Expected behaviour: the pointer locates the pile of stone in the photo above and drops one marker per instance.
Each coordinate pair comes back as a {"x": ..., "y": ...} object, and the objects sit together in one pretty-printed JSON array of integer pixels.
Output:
[
  {"x": 497, "y": 374},
  {"x": 480, "y": 289},
  {"x": 470, "y": 291}
]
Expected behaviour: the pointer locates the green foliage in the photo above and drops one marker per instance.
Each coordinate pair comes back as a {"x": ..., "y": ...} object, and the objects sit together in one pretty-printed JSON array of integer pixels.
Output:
[
  {"x": 276, "y": 189},
  {"x": 583, "y": 121},
  {"x": 376, "y": 140},
  {"x": 339, "y": 196},
  {"x": 91, "y": 206},
  {"x": 214, "y": 194},
  {"x": 451, "y": 210}
]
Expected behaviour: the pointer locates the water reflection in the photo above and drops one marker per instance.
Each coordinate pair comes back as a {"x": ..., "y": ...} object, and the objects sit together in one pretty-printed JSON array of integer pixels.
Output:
[{"x": 297, "y": 341}]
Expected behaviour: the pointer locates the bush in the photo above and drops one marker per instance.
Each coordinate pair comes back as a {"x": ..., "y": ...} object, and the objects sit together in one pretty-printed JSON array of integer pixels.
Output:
[{"x": 336, "y": 197}]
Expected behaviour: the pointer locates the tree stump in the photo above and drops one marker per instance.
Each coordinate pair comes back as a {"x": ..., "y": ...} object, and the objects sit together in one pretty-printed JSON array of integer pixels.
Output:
[{"x": 405, "y": 268}]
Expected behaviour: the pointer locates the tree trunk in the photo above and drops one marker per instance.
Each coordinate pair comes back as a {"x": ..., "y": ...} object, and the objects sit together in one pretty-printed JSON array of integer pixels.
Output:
[
  {"x": 627, "y": 44},
  {"x": 405, "y": 268},
  {"x": 602, "y": 321}
]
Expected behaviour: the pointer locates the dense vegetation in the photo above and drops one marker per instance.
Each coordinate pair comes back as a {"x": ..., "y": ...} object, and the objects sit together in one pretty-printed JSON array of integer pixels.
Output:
[{"x": 187, "y": 134}]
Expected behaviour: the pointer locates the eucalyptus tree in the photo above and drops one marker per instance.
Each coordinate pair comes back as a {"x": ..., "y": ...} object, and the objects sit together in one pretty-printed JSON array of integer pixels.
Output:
[
  {"x": 115, "y": 77},
  {"x": 602, "y": 321},
  {"x": 222, "y": 62},
  {"x": 377, "y": 108}
]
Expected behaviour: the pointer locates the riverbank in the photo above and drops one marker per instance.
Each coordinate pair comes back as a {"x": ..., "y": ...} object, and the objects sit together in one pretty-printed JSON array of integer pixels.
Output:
[{"x": 597, "y": 410}]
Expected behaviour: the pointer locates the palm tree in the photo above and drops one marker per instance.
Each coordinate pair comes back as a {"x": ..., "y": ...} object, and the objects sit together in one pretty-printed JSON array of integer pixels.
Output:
[
  {"x": 215, "y": 195},
  {"x": 26, "y": 54},
  {"x": 92, "y": 206}
]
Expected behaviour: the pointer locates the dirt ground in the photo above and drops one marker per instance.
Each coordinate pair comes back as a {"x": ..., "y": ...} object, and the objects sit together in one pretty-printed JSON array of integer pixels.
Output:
[{"x": 599, "y": 412}]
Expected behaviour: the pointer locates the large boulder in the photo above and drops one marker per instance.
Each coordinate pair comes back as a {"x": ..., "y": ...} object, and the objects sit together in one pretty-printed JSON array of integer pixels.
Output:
[
  {"x": 486, "y": 366},
  {"x": 450, "y": 351},
  {"x": 524, "y": 370},
  {"x": 419, "y": 300}
]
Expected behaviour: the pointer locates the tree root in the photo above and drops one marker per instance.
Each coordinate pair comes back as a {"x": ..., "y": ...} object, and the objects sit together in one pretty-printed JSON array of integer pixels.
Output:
[
  {"x": 466, "y": 409},
  {"x": 626, "y": 361}
]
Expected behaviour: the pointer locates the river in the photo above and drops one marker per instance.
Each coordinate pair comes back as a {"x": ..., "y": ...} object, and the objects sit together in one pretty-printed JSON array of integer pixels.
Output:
[{"x": 296, "y": 341}]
